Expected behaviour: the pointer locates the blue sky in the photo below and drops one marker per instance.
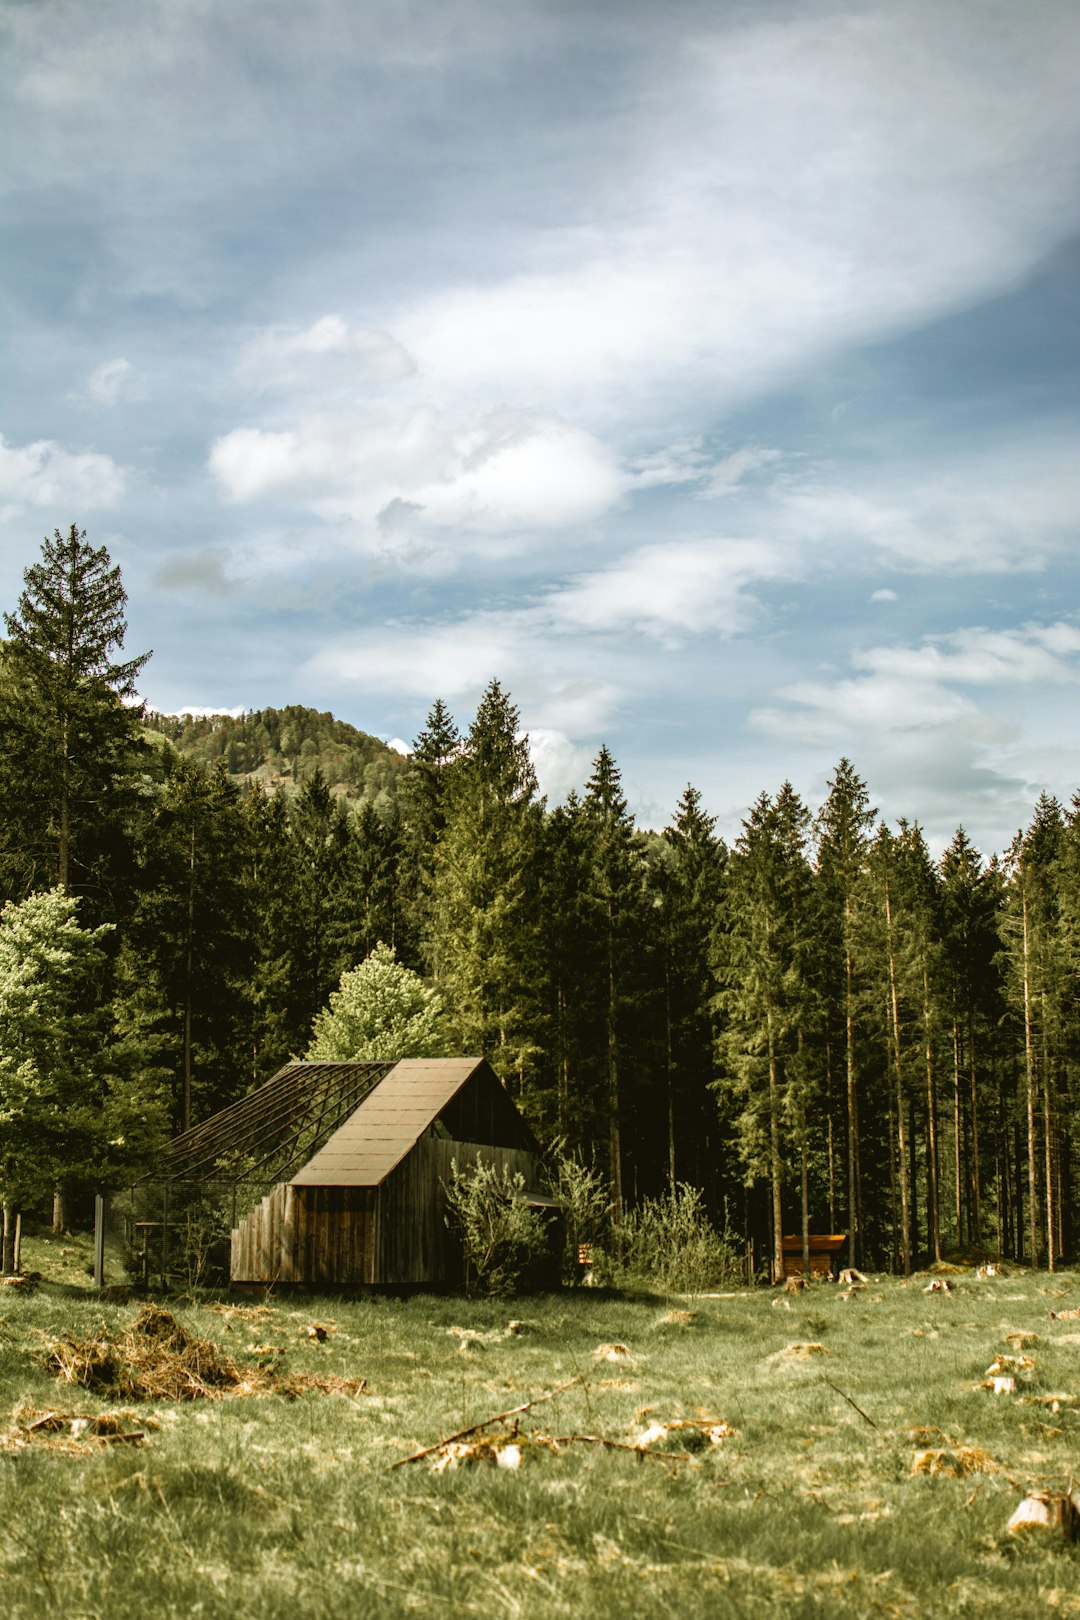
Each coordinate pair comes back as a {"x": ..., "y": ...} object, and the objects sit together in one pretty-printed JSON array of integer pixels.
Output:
[{"x": 707, "y": 373}]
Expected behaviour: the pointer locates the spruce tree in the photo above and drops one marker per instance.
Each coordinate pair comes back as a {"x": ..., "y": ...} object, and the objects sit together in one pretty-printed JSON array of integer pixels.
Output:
[
  {"x": 187, "y": 955},
  {"x": 484, "y": 934},
  {"x": 613, "y": 895},
  {"x": 71, "y": 734},
  {"x": 843, "y": 825}
]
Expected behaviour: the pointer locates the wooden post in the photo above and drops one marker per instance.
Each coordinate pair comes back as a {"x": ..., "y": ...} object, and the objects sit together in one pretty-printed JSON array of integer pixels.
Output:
[
  {"x": 16, "y": 1264},
  {"x": 99, "y": 1241}
]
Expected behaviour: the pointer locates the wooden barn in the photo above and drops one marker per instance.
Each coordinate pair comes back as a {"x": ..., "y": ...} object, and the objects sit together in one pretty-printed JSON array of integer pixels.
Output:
[{"x": 357, "y": 1157}]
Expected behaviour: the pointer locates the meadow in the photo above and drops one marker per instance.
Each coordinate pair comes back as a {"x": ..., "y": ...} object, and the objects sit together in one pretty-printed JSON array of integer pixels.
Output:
[{"x": 866, "y": 1472}]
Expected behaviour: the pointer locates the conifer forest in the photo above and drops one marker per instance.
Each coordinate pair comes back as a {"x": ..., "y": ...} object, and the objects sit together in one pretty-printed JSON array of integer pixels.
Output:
[{"x": 822, "y": 1027}]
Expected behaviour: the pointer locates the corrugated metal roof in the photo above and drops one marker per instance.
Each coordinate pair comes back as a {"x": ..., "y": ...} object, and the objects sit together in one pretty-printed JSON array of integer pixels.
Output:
[{"x": 389, "y": 1121}]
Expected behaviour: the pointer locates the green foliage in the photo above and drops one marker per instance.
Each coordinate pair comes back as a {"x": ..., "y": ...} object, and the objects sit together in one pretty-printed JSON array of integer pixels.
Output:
[
  {"x": 670, "y": 1243},
  {"x": 381, "y": 1010},
  {"x": 67, "y": 1118},
  {"x": 585, "y": 1197},
  {"x": 484, "y": 922},
  {"x": 68, "y": 768},
  {"x": 285, "y": 747},
  {"x": 502, "y": 1237}
]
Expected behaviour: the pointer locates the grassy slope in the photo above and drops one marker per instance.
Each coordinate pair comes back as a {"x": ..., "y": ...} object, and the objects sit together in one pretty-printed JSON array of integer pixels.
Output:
[{"x": 264, "y": 1508}]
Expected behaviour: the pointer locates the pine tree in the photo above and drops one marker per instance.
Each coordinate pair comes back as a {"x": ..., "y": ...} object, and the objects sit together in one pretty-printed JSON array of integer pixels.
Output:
[
  {"x": 612, "y": 891},
  {"x": 423, "y": 795},
  {"x": 187, "y": 955},
  {"x": 68, "y": 1118},
  {"x": 690, "y": 904},
  {"x": 969, "y": 905},
  {"x": 71, "y": 734},
  {"x": 765, "y": 993},
  {"x": 484, "y": 917},
  {"x": 842, "y": 832},
  {"x": 1036, "y": 986}
]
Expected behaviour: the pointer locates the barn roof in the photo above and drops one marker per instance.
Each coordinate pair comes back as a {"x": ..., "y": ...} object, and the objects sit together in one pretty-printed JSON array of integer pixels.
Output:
[{"x": 390, "y": 1121}]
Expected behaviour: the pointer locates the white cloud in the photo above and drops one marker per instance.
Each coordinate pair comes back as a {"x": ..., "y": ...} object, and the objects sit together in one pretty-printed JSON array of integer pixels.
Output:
[
  {"x": 45, "y": 475},
  {"x": 799, "y": 183},
  {"x": 560, "y": 763},
  {"x": 329, "y": 352},
  {"x": 965, "y": 726},
  {"x": 422, "y": 470},
  {"x": 113, "y": 381},
  {"x": 671, "y": 590},
  {"x": 884, "y": 595},
  {"x": 202, "y": 711}
]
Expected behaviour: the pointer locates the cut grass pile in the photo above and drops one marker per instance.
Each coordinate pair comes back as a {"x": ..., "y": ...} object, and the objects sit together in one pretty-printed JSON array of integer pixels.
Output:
[
  {"x": 698, "y": 1470},
  {"x": 157, "y": 1359}
]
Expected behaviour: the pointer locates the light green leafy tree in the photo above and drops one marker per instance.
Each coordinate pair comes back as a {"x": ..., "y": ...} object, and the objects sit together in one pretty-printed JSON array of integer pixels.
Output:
[
  {"x": 67, "y": 1119},
  {"x": 381, "y": 1010}
]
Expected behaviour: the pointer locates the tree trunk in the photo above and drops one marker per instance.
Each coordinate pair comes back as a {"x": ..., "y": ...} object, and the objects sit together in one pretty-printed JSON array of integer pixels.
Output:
[
  {"x": 976, "y": 1178},
  {"x": 854, "y": 1235},
  {"x": 9, "y": 1239},
  {"x": 1032, "y": 1081},
  {"x": 59, "y": 1214},
  {"x": 614, "y": 1120},
  {"x": 774, "y": 1159},
  {"x": 901, "y": 1126},
  {"x": 958, "y": 1133},
  {"x": 804, "y": 1164},
  {"x": 933, "y": 1198},
  {"x": 831, "y": 1138},
  {"x": 185, "y": 1101}
]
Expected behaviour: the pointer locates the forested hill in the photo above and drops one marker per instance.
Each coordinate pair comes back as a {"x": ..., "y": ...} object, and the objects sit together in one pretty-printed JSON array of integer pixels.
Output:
[{"x": 285, "y": 747}]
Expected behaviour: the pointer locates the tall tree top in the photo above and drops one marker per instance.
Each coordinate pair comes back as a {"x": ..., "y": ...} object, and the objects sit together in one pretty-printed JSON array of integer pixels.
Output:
[
  {"x": 439, "y": 739},
  {"x": 497, "y": 754},
  {"x": 70, "y": 616},
  {"x": 843, "y": 825},
  {"x": 603, "y": 791}
]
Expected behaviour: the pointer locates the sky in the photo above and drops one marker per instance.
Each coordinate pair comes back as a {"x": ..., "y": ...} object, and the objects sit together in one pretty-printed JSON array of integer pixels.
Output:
[{"x": 705, "y": 373}]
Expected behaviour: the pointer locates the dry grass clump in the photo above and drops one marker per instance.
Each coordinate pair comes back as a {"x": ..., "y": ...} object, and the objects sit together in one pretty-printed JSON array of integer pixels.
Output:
[
  {"x": 157, "y": 1359},
  {"x": 74, "y": 1433},
  {"x": 960, "y": 1462}
]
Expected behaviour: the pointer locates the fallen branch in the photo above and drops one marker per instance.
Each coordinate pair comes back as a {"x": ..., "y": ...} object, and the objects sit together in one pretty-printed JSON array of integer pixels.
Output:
[
  {"x": 850, "y": 1402},
  {"x": 499, "y": 1417}
]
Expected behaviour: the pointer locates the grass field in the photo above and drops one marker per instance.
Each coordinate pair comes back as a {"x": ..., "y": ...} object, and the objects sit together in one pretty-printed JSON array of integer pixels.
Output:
[{"x": 265, "y": 1507}]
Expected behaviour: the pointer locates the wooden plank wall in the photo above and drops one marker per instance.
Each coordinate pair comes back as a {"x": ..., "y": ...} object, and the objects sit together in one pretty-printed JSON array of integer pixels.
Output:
[
  {"x": 324, "y": 1236},
  {"x": 344, "y": 1237},
  {"x": 413, "y": 1243}
]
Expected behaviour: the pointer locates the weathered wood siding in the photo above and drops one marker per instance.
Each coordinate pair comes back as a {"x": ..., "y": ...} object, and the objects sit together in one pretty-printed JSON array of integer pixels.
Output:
[
  {"x": 413, "y": 1242},
  {"x": 323, "y": 1236},
  {"x": 346, "y": 1237}
]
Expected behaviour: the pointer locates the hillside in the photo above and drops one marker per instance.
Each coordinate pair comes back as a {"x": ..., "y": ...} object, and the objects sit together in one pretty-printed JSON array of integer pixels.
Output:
[{"x": 284, "y": 747}]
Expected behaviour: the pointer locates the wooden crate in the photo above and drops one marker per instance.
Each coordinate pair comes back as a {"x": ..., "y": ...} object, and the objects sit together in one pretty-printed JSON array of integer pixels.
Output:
[{"x": 825, "y": 1251}]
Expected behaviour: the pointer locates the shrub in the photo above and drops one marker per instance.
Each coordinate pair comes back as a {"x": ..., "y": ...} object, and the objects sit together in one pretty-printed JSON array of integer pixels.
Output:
[
  {"x": 586, "y": 1205},
  {"x": 502, "y": 1237},
  {"x": 671, "y": 1243}
]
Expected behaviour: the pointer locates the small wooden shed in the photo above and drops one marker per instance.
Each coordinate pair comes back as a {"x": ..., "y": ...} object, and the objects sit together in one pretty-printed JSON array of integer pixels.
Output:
[{"x": 369, "y": 1206}]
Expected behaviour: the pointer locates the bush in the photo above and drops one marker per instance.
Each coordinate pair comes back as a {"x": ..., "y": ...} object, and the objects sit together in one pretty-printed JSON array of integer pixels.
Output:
[
  {"x": 586, "y": 1205},
  {"x": 670, "y": 1243},
  {"x": 502, "y": 1237}
]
